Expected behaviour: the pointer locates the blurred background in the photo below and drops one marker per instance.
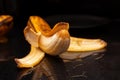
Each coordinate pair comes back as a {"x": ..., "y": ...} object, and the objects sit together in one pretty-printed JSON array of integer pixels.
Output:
[
  {"x": 105, "y": 11},
  {"x": 104, "y": 8},
  {"x": 87, "y": 18}
]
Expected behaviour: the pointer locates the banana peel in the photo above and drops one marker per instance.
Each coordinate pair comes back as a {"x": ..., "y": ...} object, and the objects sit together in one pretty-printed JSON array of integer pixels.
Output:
[
  {"x": 32, "y": 59},
  {"x": 53, "y": 41}
]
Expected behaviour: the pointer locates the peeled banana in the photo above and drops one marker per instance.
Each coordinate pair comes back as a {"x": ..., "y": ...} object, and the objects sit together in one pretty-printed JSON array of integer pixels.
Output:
[{"x": 54, "y": 41}]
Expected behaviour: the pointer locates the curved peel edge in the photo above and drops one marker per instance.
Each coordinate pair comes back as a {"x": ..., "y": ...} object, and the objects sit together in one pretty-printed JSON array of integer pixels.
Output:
[{"x": 30, "y": 60}]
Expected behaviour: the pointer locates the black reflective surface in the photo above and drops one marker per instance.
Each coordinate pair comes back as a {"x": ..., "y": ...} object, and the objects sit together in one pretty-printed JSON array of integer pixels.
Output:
[{"x": 99, "y": 66}]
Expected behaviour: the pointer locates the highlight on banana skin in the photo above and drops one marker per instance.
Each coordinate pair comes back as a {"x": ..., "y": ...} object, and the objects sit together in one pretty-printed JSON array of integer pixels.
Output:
[{"x": 44, "y": 40}]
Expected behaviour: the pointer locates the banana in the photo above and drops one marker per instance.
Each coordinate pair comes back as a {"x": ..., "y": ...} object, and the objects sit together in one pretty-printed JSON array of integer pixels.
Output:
[
  {"x": 30, "y": 60},
  {"x": 53, "y": 41},
  {"x": 75, "y": 44},
  {"x": 6, "y": 24},
  {"x": 5, "y": 19}
]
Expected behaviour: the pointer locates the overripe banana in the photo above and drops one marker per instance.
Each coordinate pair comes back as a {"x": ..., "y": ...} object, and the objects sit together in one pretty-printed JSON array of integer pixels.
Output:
[{"x": 54, "y": 41}]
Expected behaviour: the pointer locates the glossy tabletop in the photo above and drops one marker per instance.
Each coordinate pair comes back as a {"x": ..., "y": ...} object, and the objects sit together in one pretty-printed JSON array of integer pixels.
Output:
[{"x": 97, "y": 65}]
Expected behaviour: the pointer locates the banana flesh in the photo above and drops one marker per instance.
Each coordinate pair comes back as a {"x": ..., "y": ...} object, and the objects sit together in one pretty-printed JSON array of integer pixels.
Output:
[
  {"x": 6, "y": 24},
  {"x": 54, "y": 41},
  {"x": 83, "y": 44}
]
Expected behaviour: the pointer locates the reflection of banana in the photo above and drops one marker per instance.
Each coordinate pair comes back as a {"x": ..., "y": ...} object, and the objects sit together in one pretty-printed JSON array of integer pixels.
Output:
[
  {"x": 32, "y": 59},
  {"x": 74, "y": 55},
  {"x": 52, "y": 41}
]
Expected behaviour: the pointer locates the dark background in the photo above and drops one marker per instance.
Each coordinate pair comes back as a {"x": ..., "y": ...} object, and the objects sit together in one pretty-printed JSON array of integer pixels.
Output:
[
  {"x": 106, "y": 68},
  {"x": 106, "y": 8},
  {"x": 22, "y": 9}
]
